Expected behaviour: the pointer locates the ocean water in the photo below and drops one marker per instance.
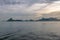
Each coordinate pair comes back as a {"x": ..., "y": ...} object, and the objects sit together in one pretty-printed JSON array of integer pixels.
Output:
[{"x": 29, "y": 30}]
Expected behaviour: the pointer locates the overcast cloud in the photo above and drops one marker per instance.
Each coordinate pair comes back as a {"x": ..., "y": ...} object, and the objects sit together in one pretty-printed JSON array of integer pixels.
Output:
[{"x": 25, "y": 9}]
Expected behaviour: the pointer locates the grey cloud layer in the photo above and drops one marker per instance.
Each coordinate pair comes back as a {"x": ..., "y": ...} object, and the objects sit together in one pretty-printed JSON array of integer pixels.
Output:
[
  {"x": 30, "y": 2},
  {"x": 18, "y": 7}
]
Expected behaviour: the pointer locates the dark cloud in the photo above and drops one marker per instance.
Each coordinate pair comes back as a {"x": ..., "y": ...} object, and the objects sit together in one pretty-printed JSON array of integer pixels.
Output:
[
  {"x": 50, "y": 1},
  {"x": 3, "y": 2},
  {"x": 30, "y": 2}
]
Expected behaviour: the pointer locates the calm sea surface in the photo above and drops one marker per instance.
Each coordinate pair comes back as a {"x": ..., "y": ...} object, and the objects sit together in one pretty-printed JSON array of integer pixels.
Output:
[{"x": 29, "y": 30}]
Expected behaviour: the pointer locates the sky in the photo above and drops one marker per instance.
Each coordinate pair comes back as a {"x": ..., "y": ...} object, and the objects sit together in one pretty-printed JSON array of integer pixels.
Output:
[{"x": 29, "y": 9}]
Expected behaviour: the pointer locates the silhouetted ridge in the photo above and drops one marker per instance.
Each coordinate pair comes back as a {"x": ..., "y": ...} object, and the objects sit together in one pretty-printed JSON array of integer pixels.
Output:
[{"x": 42, "y": 19}]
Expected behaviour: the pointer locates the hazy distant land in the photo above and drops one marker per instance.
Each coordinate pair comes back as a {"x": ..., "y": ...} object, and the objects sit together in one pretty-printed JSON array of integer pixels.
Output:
[{"x": 42, "y": 19}]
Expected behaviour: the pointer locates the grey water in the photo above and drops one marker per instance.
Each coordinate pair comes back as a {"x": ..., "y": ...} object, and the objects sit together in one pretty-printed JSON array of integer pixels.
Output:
[{"x": 30, "y": 30}]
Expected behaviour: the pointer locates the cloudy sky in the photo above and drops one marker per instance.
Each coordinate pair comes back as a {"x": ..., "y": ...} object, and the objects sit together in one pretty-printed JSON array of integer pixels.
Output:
[{"x": 28, "y": 9}]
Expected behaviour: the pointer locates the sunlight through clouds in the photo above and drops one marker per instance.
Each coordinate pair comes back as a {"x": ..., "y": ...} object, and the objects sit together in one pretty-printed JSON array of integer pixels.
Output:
[{"x": 26, "y": 9}]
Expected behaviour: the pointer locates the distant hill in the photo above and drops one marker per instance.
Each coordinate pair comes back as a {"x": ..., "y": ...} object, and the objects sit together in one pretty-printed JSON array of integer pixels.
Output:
[{"x": 53, "y": 14}]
